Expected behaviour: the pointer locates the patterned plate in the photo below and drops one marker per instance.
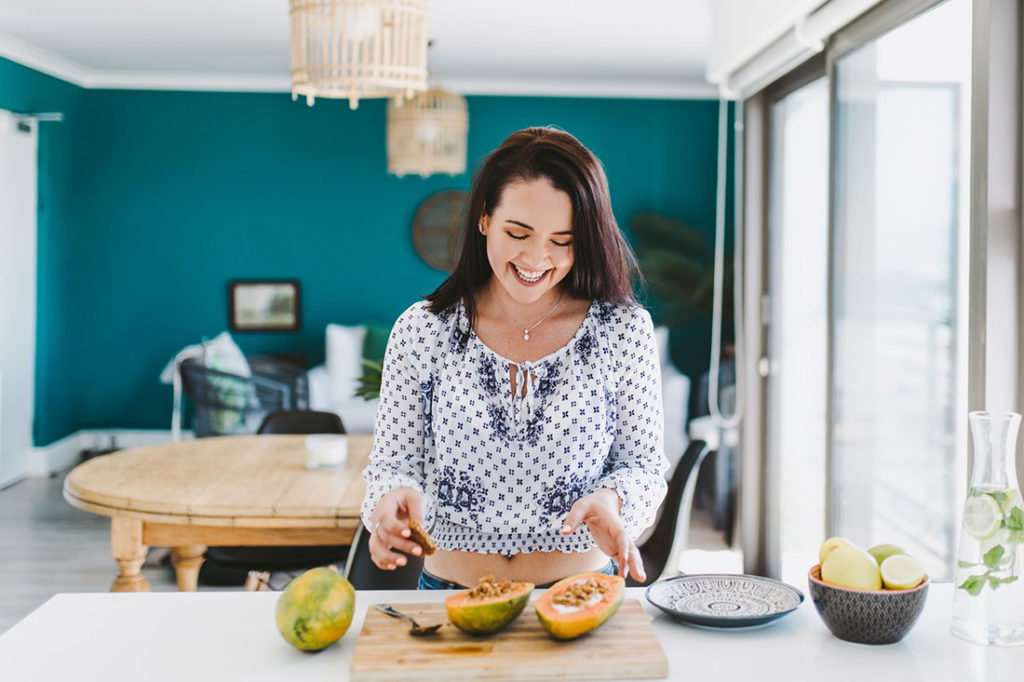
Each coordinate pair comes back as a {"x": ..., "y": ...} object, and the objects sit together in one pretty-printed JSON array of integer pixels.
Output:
[{"x": 724, "y": 600}]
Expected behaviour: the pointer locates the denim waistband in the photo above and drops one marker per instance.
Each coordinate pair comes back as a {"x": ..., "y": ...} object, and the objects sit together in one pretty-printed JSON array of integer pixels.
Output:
[{"x": 429, "y": 581}]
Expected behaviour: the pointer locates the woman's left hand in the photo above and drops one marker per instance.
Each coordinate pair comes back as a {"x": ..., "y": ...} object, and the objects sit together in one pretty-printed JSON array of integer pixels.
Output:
[{"x": 600, "y": 511}]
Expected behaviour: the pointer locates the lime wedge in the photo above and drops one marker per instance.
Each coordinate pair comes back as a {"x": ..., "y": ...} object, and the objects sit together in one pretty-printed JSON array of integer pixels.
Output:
[
  {"x": 901, "y": 572},
  {"x": 883, "y": 552},
  {"x": 982, "y": 516}
]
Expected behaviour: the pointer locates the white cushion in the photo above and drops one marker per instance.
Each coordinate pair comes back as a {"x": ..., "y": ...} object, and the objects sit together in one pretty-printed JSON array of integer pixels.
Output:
[
  {"x": 344, "y": 359},
  {"x": 661, "y": 344},
  {"x": 223, "y": 354}
]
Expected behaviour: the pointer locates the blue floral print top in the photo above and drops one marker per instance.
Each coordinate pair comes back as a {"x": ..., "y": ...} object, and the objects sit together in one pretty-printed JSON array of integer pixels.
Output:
[{"x": 500, "y": 471}]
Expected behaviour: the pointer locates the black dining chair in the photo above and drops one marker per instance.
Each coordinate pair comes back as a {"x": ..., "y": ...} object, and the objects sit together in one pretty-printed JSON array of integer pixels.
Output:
[
  {"x": 301, "y": 421},
  {"x": 672, "y": 525},
  {"x": 231, "y": 565},
  {"x": 364, "y": 574}
]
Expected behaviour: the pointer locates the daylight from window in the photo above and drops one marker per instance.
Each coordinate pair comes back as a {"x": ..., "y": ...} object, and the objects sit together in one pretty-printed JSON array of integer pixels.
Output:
[{"x": 902, "y": 111}]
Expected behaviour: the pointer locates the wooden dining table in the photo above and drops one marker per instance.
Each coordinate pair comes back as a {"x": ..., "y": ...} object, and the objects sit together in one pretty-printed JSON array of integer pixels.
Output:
[{"x": 240, "y": 491}]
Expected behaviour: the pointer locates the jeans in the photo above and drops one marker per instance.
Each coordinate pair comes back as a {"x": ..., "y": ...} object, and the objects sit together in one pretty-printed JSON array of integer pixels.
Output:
[{"x": 429, "y": 581}]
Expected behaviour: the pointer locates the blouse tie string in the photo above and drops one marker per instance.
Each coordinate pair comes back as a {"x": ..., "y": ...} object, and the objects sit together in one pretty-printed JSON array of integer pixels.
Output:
[{"x": 522, "y": 401}]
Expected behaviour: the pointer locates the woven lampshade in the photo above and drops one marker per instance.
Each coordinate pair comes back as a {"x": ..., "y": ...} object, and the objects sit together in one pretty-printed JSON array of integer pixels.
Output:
[
  {"x": 427, "y": 134},
  {"x": 348, "y": 49}
]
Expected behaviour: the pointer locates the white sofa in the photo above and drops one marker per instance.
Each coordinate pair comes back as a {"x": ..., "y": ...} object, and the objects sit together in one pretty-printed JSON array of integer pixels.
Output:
[
  {"x": 332, "y": 387},
  {"x": 675, "y": 399}
]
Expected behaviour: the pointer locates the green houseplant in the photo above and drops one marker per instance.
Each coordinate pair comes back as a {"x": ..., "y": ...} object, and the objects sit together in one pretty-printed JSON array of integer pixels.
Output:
[
  {"x": 369, "y": 383},
  {"x": 677, "y": 264}
]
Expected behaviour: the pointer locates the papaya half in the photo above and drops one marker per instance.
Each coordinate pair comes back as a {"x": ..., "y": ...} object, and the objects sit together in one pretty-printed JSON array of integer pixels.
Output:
[
  {"x": 488, "y": 607},
  {"x": 580, "y": 603},
  {"x": 315, "y": 609}
]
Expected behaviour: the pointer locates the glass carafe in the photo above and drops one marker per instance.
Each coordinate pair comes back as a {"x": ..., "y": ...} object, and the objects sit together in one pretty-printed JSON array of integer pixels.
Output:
[{"x": 988, "y": 601}]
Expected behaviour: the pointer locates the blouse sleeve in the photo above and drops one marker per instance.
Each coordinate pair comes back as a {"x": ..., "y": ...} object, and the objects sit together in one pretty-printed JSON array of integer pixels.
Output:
[
  {"x": 636, "y": 464},
  {"x": 399, "y": 452}
]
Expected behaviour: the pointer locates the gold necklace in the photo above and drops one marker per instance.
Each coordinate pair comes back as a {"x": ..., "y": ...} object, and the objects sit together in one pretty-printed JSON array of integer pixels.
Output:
[{"x": 526, "y": 331}]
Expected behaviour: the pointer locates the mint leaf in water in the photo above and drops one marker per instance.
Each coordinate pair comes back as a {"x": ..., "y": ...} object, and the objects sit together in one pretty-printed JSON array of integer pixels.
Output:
[
  {"x": 995, "y": 582},
  {"x": 1016, "y": 537},
  {"x": 1000, "y": 498},
  {"x": 973, "y": 584},
  {"x": 992, "y": 557},
  {"x": 964, "y": 564},
  {"x": 1015, "y": 520}
]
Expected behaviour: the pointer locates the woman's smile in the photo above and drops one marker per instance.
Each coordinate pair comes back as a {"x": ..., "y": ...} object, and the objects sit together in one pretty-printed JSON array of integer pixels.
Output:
[{"x": 529, "y": 277}]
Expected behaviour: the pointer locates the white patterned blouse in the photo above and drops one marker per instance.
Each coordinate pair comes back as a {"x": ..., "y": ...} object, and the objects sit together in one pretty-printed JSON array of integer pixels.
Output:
[{"x": 499, "y": 472}]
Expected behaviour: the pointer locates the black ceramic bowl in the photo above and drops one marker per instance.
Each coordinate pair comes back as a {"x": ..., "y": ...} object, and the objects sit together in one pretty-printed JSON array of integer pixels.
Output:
[{"x": 866, "y": 616}]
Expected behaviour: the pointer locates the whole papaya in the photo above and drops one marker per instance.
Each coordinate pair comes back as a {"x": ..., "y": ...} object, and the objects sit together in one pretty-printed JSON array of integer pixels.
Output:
[{"x": 315, "y": 609}]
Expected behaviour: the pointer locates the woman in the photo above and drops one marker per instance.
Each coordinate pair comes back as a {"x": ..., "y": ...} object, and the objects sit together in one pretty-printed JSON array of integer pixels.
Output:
[{"x": 520, "y": 407}]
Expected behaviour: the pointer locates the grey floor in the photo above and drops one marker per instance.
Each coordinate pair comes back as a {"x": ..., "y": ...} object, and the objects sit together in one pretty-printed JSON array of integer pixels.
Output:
[{"x": 47, "y": 547}]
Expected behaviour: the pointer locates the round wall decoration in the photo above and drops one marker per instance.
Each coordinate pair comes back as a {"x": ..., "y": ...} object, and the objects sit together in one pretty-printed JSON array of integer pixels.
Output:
[{"x": 435, "y": 229}]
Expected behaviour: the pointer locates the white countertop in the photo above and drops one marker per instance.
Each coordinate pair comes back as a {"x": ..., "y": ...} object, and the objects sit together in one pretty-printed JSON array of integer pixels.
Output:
[{"x": 231, "y": 636}]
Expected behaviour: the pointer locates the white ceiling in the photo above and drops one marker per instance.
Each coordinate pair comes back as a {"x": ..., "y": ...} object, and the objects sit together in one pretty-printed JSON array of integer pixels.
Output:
[{"x": 624, "y": 48}]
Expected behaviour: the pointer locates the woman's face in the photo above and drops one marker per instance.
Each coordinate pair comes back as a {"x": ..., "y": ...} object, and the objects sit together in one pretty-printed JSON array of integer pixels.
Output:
[{"x": 529, "y": 239}]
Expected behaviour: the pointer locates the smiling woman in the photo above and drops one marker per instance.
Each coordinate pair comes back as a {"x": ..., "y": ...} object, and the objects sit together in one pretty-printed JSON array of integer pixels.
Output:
[{"x": 520, "y": 416}]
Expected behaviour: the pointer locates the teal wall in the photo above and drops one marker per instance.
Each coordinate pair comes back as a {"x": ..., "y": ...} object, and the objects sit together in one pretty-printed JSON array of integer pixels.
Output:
[
  {"x": 152, "y": 201},
  {"x": 25, "y": 90}
]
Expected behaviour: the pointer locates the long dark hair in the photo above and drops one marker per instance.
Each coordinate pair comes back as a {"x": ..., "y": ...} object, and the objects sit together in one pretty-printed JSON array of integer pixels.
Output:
[{"x": 604, "y": 267}]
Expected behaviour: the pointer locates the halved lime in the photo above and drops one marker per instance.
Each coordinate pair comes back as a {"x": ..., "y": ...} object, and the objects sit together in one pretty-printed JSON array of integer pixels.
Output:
[
  {"x": 901, "y": 572},
  {"x": 982, "y": 516},
  {"x": 1004, "y": 498}
]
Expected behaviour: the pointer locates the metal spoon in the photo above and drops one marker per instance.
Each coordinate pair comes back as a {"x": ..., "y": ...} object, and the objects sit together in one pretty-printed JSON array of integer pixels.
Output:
[{"x": 415, "y": 629}]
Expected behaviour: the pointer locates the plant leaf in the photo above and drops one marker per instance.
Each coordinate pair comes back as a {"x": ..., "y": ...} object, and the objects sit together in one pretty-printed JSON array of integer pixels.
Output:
[
  {"x": 973, "y": 585},
  {"x": 369, "y": 382},
  {"x": 1015, "y": 538},
  {"x": 995, "y": 582},
  {"x": 992, "y": 557},
  {"x": 671, "y": 234},
  {"x": 1015, "y": 521}
]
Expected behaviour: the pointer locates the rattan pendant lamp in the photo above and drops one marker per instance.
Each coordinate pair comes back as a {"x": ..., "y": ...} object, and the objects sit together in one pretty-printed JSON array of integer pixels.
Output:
[
  {"x": 427, "y": 134},
  {"x": 351, "y": 49}
]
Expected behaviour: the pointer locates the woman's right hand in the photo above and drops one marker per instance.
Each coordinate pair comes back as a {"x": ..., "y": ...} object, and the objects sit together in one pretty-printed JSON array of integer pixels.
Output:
[{"x": 389, "y": 528}]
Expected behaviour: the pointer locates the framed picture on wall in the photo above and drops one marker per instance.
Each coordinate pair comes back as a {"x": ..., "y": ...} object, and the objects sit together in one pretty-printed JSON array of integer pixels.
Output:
[{"x": 264, "y": 305}]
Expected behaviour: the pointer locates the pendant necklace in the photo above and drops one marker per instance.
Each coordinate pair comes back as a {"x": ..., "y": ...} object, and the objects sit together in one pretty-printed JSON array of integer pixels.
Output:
[{"x": 526, "y": 332}]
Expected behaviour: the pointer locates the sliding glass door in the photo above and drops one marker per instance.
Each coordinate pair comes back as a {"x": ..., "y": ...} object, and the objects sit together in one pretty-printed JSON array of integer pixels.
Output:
[
  {"x": 865, "y": 309},
  {"x": 898, "y": 353}
]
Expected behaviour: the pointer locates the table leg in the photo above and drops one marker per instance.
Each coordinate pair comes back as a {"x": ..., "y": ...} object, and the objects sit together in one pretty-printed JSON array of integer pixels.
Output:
[
  {"x": 129, "y": 552},
  {"x": 187, "y": 559}
]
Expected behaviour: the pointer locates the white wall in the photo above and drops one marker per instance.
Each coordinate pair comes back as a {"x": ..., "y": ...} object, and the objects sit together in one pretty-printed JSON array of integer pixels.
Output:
[{"x": 17, "y": 296}]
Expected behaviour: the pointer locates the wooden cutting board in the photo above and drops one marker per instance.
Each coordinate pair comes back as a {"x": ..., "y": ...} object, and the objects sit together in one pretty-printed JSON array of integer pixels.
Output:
[{"x": 623, "y": 648}]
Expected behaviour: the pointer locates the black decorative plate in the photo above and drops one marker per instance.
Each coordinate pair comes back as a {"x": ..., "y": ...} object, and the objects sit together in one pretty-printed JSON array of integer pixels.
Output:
[{"x": 724, "y": 600}]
